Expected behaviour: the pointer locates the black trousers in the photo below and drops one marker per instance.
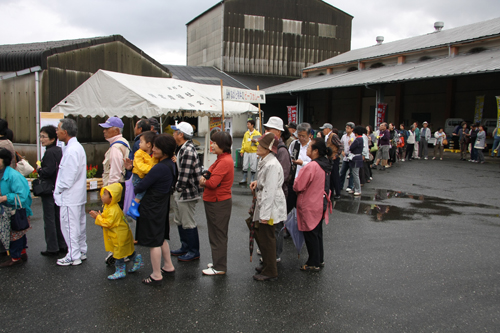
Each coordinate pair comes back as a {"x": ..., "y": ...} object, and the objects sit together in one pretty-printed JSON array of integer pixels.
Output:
[
  {"x": 291, "y": 199},
  {"x": 335, "y": 178},
  {"x": 314, "y": 244}
]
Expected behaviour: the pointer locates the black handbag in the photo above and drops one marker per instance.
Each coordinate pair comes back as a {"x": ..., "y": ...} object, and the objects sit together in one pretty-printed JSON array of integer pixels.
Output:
[
  {"x": 42, "y": 187},
  {"x": 19, "y": 220}
]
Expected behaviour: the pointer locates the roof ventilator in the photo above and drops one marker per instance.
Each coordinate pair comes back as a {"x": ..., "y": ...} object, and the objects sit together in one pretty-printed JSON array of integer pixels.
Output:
[
  {"x": 380, "y": 40},
  {"x": 438, "y": 25}
]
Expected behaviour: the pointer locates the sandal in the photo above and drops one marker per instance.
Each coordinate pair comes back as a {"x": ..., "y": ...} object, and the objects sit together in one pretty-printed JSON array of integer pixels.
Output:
[
  {"x": 310, "y": 268},
  {"x": 167, "y": 272},
  {"x": 152, "y": 282}
]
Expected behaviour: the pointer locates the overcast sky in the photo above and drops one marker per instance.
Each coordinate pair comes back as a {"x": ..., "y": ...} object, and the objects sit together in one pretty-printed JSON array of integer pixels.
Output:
[{"x": 158, "y": 26}]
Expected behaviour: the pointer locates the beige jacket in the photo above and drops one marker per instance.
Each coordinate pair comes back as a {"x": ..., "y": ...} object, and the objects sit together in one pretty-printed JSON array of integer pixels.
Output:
[{"x": 113, "y": 167}]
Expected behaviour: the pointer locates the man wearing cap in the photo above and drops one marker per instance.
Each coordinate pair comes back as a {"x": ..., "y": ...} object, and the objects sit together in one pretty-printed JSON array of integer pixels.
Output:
[
  {"x": 275, "y": 125},
  {"x": 249, "y": 151},
  {"x": 327, "y": 130},
  {"x": 113, "y": 167},
  {"x": 425, "y": 135},
  {"x": 187, "y": 193}
]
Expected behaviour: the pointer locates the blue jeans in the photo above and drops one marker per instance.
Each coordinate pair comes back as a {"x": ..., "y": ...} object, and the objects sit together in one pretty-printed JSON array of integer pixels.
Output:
[
  {"x": 495, "y": 145},
  {"x": 136, "y": 180},
  {"x": 343, "y": 172},
  {"x": 16, "y": 247}
]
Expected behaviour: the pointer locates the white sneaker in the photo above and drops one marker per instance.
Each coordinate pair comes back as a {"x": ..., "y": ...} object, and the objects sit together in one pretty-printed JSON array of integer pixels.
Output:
[
  {"x": 356, "y": 194},
  {"x": 425, "y": 158},
  {"x": 277, "y": 260},
  {"x": 441, "y": 159},
  {"x": 403, "y": 160},
  {"x": 210, "y": 265},
  {"x": 349, "y": 190},
  {"x": 83, "y": 256},
  {"x": 67, "y": 262},
  {"x": 211, "y": 271},
  {"x": 258, "y": 252}
]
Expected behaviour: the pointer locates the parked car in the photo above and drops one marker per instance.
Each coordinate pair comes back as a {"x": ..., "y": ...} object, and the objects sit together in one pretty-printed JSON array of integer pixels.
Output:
[{"x": 450, "y": 124}]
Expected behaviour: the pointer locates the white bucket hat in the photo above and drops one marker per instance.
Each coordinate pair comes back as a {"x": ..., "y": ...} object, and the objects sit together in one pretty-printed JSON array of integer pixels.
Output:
[{"x": 275, "y": 122}]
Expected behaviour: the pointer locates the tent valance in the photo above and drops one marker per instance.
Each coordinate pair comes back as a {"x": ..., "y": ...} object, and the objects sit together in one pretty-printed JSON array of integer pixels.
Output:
[{"x": 107, "y": 94}]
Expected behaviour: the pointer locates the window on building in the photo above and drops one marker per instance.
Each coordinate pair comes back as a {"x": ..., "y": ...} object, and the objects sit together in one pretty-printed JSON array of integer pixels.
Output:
[
  {"x": 477, "y": 50},
  {"x": 292, "y": 27},
  {"x": 377, "y": 65},
  {"x": 254, "y": 22},
  {"x": 327, "y": 30},
  {"x": 352, "y": 69}
]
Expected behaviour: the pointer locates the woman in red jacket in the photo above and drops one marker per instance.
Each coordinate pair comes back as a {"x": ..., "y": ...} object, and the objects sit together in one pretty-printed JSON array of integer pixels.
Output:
[{"x": 218, "y": 202}]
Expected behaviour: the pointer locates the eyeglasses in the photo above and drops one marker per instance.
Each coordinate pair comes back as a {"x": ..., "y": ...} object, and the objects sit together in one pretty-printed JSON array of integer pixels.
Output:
[{"x": 43, "y": 137}]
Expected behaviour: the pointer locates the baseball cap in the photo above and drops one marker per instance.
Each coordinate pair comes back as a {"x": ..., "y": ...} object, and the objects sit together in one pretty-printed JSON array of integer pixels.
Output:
[
  {"x": 112, "y": 122},
  {"x": 275, "y": 122},
  {"x": 425, "y": 122},
  {"x": 184, "y": 128},
  {"x": 326, "y": 125}
]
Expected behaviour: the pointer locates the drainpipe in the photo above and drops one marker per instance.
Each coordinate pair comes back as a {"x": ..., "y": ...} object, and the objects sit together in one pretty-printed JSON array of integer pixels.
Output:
[{"x": 37, "y": 110}]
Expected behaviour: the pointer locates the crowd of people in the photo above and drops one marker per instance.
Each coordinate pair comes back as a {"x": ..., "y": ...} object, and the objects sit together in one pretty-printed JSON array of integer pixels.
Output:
[{"x": 291, "y": 168}]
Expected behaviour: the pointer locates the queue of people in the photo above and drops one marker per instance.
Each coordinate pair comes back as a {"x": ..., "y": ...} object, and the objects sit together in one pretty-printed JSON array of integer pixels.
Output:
[{"x": 290, "y": 169}]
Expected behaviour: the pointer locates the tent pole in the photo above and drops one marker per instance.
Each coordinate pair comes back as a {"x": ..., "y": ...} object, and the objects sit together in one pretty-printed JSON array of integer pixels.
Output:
[
  {"x": 222, "y": 103},
  {"x": 260, "y": 118},
  {"x": 161, "y": 126}
]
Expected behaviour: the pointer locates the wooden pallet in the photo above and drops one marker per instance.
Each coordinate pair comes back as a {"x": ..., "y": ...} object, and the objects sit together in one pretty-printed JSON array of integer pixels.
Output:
[{"x": 94, "y": 184}]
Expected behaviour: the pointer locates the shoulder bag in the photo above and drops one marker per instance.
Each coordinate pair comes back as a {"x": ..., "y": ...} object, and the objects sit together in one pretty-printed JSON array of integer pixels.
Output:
[
  {"x": 19, "y": 220},
  {"x": 42, "y": 187}
]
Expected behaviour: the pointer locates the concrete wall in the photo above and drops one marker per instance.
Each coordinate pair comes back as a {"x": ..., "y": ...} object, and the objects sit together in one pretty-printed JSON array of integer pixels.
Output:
[{"x": 204, "y": 39}]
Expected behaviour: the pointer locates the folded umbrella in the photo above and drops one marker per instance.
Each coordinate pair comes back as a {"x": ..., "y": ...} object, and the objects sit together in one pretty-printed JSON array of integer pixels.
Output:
[{"x": 293, "y": 229}]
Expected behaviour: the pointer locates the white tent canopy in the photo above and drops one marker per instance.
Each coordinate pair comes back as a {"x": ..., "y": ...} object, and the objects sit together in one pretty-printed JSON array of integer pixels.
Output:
[{"x": 107, "y": 94}]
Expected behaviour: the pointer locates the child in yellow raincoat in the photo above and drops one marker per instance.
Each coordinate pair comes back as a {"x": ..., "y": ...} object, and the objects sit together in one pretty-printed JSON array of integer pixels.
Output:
[
  {"x": 117, "y": 234},
  {"x": 143, "y": 162}
]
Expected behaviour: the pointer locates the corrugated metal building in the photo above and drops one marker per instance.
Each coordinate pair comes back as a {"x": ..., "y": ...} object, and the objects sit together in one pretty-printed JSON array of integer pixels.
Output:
[
  {"x": 430, "y": 77},
  {"x": 62, "y": 67},
  {"x": 278, "y": 37}
]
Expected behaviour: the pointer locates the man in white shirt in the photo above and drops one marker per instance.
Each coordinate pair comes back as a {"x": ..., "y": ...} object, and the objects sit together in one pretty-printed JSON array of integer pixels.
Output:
[
  {"x": 298, "y": 154},
  {"x": 70, "y": 194},
  {"x": 327, "y": 130},
  {"x": 346, "y": 139}
]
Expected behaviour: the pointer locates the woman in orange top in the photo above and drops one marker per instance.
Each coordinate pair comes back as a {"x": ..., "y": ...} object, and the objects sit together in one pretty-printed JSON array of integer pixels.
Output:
[{"x": 217, "y": 199}]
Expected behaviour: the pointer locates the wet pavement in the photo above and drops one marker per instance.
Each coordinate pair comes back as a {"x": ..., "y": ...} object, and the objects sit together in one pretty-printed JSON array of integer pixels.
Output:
[{"x": 417, "y": 252}]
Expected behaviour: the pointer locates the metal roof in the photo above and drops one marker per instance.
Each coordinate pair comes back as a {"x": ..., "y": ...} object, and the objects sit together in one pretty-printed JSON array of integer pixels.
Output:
[
  {"x": 222, "y": 2},
  {"x": 15, "y": 57},
  {"x": 466, "y": 64},
  {"x": 203, "y": 75},
  {"x": 212, "y": 75},
  {"x": 444, "y": 37}
]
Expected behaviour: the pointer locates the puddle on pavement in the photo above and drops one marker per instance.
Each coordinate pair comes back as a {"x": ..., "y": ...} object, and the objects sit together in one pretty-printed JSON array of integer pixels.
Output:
[{"x": 383, "y": 206}]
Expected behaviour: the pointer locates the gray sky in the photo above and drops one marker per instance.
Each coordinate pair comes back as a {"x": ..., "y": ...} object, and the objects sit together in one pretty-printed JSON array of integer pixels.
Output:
[{"x": 158, "y": 26}]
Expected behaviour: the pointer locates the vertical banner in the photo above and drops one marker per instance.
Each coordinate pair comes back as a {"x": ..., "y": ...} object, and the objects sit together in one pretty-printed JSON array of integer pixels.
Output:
[
  {"x": 498, "y": 115},
  {"x": 478, "y": 114},
  {"x": 381, "y": 108},
  {"x": 292, "y": 114},
  {"x": 215, "y": 125}
]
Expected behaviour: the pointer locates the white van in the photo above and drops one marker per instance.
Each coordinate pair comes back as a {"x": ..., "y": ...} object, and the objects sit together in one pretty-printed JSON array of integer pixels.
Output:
[{"x": 450, "y": 124}]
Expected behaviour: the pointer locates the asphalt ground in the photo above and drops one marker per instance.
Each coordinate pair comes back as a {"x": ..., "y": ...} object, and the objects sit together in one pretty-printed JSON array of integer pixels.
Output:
[{"x": 418, "y": 252}]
